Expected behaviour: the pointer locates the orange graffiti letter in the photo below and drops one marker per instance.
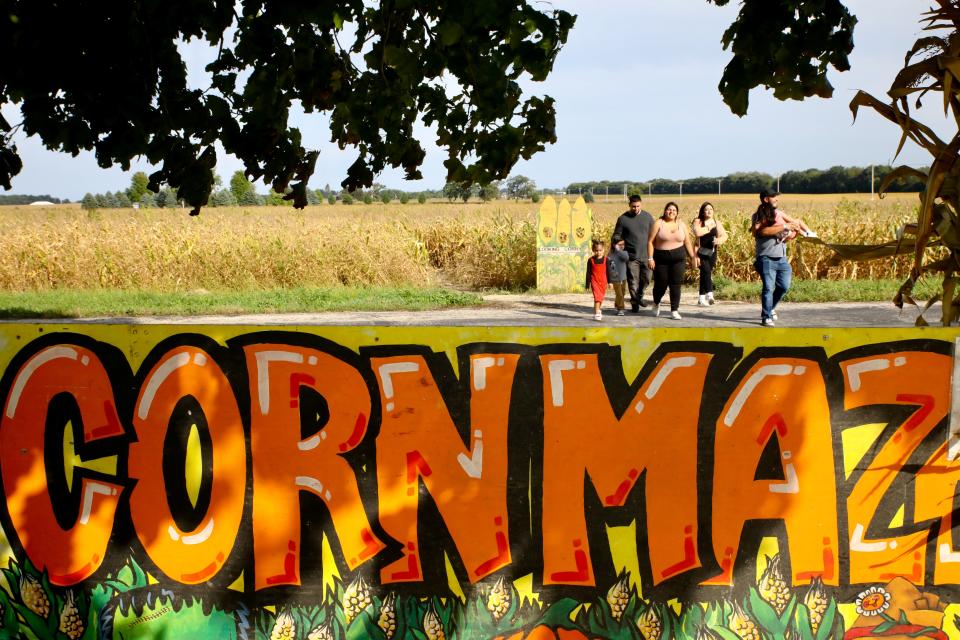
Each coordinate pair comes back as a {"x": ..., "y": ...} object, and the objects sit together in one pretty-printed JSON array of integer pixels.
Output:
[
  {"x": 418, "y": 441},
  {"x": 71, "y": 554},
  {"x": 657, "y": 435},
  {"x": 917, "y": 379},
  {"x": 284, "y": 463},
  {"x": 780, "y": 405},
  {"x": 187, "y": 385}
]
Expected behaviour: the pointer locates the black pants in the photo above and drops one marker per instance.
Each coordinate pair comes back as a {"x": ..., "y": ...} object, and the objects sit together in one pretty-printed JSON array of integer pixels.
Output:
[
  {"x": 707, "y": 265},
  {"x": 638, "y": 277},
  {"x": 668, "y": 272}
]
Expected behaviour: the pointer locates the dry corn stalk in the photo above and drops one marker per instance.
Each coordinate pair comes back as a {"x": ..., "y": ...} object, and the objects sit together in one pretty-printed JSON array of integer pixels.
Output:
[{"x": 936, "y": 70}]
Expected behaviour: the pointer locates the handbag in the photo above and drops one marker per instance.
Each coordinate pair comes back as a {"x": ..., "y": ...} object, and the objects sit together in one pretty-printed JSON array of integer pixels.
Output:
[{"x": 706, "y": 252}]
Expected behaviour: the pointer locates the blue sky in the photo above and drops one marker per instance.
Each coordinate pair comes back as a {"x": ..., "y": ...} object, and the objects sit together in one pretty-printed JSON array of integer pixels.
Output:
[{"x": 636, "y": 92}]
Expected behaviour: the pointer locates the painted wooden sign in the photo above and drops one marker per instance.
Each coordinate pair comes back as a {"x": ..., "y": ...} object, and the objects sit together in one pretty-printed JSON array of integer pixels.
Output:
[{"x": 563, "y": 244}]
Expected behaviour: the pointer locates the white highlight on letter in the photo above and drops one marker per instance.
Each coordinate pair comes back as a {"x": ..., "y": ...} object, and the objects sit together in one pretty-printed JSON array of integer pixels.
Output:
[
  {"x": 387, "y": 370},
  {"x": 557, "y": 367},
  {"x": 857, "y": 543},
  {"x": 854, "y": 371},
  {"x": 668, "y": 367},
  {"x": 153, "y": 384},
  {"x": 752, "y": 383},
  {"x": 264, "y": 358},
  {"x": 42, "y": 358},
  {"x": 91, "y": 489},
  {"x": 480, "y": 366},
  {"x": 473, "y": 465}
]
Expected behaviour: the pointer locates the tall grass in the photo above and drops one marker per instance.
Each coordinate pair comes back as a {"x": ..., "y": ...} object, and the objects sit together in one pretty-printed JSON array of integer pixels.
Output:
[{"x": 468, "y": 246}]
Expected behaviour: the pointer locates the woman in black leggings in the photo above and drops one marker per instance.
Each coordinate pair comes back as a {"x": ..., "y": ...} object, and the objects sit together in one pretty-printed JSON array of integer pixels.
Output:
[
  {"x": 668, "y": 245},
  {"x": 710, "y": 234}
]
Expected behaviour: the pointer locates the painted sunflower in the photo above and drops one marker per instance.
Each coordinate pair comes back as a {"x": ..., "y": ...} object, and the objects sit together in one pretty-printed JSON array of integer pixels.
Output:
[{"x": 873, "y": 601}]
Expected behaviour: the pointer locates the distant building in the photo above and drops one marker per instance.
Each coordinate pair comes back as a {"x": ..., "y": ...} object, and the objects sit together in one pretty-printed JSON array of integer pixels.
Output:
[{"x": 41, "y": 203}]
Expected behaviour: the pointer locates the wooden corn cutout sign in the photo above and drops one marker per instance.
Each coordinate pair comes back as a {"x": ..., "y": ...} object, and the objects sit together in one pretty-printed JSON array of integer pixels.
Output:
[
  {"x": 547, "y": 223},
  {"x": 563, "y": 244}
]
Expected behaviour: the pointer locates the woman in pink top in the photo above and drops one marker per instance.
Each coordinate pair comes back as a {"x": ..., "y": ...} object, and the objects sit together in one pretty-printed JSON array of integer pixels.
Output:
[{"x": 668, "y": 245}]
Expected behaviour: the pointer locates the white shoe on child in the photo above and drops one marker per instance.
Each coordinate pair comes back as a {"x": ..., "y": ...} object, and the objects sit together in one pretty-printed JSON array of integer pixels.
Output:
[
  {"x": 675, "y": 315},
  {"x": 598, "y": 316},
  {"x": 656, "y": 311},
  {"x": 710, "y": 299},
  {"x": 703, "y": 301}
]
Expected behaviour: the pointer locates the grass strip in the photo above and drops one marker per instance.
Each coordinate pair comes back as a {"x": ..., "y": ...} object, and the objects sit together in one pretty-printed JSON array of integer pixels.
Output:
[
  {"x": 861, "y": 290},
  {"x": 96, "y": 303}
]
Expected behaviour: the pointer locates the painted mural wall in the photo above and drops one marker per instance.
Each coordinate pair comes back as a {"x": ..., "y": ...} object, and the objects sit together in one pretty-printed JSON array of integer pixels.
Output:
[{"x": 460, "y": 483}]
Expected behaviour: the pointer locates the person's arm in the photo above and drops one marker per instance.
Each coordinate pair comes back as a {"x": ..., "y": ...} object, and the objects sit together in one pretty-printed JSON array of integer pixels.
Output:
[
  {"x": 759, "y": 230},
  {"x": 653, "y": 234},
  {"x": 688, "y": 243},
  {"x": 699, "y": 229},
  {"x": 794, "y": 224},
  {"x": 618, "y": 228},
  {"x": 586, "y": 284}
]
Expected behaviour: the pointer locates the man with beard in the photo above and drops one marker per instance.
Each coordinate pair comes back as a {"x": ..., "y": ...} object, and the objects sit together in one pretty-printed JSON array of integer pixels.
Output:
[{"x": 633, "y": 226}]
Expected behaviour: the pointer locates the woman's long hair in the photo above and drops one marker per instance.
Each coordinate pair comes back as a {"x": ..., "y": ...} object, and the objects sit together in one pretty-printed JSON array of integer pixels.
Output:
[
  {"x": 702, "y": 216},
  {"x": 663, "y": 216}
]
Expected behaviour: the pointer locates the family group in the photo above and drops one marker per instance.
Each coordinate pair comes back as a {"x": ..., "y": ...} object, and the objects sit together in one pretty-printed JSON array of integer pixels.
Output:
[{"x": 643, "y": 248}]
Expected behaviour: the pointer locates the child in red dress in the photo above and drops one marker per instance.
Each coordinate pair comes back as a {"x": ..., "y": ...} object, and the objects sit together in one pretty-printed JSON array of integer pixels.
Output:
[{"x": 597, "y": 276}]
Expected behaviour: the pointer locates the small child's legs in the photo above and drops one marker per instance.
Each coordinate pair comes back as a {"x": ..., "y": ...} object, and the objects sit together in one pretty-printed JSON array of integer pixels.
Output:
[{"x": 619, "y": 289}]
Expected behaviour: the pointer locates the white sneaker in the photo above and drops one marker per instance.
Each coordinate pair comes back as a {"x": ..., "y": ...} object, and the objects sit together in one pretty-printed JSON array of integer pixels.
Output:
[
  {"x": 773, "y": 314},
  {"x": 767, "y": 322},
  {"x": 656, "y": 311},
  {"x": 710, "y": 299},
  {"x": 703, "y": 301},
  {"x": 675, "y": 315},
  {"x": 620, "y": 312},
  {"x": 598, "y": 316}
]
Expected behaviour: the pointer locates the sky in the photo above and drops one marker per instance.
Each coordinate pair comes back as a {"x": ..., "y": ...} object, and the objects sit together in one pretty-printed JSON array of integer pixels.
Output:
[{"x": 636, "y": 98}]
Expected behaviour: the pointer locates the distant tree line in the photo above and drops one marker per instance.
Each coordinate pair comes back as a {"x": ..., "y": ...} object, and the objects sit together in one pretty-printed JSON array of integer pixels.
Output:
[
  {"x": 833, "y": 180},
  {"x": 4, "y": 200}
]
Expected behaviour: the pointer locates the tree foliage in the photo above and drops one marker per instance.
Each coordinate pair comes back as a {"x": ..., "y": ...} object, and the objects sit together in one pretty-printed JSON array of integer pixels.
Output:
[
  {"x": 519, "y": 187},
  {"x": 786, "y": 45},
  {"x": 376, "y": 69}
]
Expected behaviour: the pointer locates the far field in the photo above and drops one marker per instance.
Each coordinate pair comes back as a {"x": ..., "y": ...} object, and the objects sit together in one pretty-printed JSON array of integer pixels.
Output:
[{"x": 472, "y": 246}]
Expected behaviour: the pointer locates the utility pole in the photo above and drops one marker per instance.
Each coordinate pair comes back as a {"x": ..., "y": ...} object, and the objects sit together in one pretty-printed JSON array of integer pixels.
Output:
[
  {"x": 718, "y": 185},
  {"x": 681, "y": 188},
  {"x": 778, "y": 184},
  {"x": 871, "y": 182},
  {"x": 625, "y": 194}
]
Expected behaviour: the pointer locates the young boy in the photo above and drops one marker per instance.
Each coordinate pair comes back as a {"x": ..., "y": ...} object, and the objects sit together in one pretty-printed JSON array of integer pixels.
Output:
[
  {"x": 617, "y": 262},
  {"x": 597, "y": 276}
]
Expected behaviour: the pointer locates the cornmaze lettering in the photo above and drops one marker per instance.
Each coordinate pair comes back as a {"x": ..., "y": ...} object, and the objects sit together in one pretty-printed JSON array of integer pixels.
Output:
[{"x": 517, "y": 463}]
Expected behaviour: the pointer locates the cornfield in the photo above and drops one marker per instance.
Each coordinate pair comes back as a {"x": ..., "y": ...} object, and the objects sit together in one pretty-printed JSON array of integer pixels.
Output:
[{"x": 469, "y": 246}]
